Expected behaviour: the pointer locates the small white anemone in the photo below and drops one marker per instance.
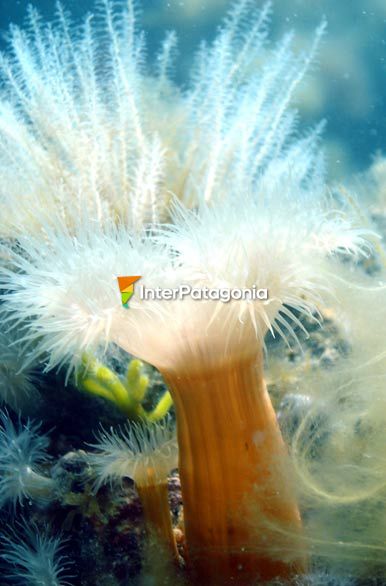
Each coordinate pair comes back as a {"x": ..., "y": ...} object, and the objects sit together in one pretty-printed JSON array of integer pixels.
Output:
[
  {"x": 34, "y": 557},
  {"x": 146, "y": 453},
  {"x": 18, "y": 378},
  {"x": 22, "y": 450}
]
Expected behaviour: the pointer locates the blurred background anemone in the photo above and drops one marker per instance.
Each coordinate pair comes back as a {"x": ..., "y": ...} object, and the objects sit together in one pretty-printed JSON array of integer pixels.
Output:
[{"x": 346, "y": 86}]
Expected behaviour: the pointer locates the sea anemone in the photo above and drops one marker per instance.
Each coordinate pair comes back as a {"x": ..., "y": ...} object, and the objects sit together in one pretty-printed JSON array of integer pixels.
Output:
[
  {"x": 18, "y": 375},
  {"x": 209, "y": 352},
  {"x": 34, "y": 557},
  {"x": 22, "y": 451},
  {"x": 337, "y": 442},
  {"x": 51, "y": 279},
  {"x": 146, "y": 454},
  {"x": 250, "y": 211}
]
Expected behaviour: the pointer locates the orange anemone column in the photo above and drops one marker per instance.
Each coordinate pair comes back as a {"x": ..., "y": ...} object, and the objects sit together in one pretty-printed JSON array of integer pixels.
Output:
[
  {"x": 240, "y": 514},
  {"x": 154, "y": 499}
]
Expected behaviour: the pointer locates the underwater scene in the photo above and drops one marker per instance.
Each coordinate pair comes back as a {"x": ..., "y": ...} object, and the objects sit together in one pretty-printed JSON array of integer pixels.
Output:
[{"x": 192, "y": 293}]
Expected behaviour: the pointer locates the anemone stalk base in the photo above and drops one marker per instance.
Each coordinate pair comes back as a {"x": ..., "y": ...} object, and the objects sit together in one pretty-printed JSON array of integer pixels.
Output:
[{"x": 238, "y": 500}]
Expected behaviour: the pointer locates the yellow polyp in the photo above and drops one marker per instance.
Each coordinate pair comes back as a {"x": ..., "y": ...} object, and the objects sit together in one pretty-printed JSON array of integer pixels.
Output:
[
  {"x": 107, "y": 377},
  {"x": 94, "y": 388},
  {"x": 122, "y": 397},
  {"x": 134, "y": 370},
  {"x": 162, "y": 408},
  {"x": 137, "y": 382}
]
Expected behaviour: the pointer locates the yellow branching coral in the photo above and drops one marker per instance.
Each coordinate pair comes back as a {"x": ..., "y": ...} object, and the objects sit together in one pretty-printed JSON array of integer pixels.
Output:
[{"x": 127, "y": 394}]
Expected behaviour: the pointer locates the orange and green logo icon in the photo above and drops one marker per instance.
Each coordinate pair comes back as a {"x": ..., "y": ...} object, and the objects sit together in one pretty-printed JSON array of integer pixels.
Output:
[{"x": 126, "y": 287}]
